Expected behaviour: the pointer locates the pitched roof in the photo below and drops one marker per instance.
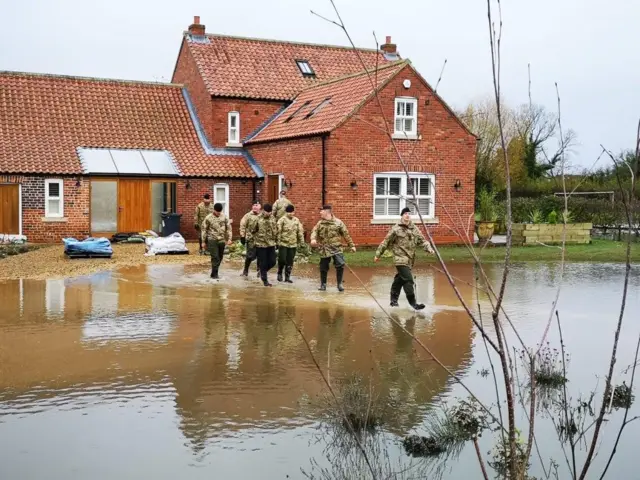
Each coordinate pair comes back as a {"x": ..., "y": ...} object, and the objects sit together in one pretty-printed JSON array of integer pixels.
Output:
[
  {"x": 321, "y": 108},
  {"x": 45, "y": 118},
  {"x": 267, "y": 69}
]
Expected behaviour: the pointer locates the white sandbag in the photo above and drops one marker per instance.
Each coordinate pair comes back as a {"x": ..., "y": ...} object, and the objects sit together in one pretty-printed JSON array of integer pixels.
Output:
[{"x": 173, "y": 243}]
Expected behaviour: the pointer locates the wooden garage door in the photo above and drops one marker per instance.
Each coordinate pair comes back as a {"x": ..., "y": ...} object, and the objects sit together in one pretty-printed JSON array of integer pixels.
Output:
[
  {"x": 134, "y": 205},
  {"x": 9, "y": 209}
]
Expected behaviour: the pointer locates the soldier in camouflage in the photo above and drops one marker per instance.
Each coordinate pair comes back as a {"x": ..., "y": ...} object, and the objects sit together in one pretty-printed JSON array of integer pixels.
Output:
[
  {"x": 402, "y": 240},
  {"x": 290, "y": 236},
  {"x": 215, "y": 232},
  {"x": 264, "y": 236},
  {"x": 280, "y": 205},
  {"x": 328, "y": 235},
  {"x": 246, "y": 227},
  {"x": 203, "y": 209}
]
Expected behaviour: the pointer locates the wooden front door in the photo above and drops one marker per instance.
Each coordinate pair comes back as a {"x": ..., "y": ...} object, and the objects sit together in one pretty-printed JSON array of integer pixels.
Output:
[
  {"x": 10, "y": 209},
  {"x": 274, "y": 188},
  {"x": 134, "y": 205}
]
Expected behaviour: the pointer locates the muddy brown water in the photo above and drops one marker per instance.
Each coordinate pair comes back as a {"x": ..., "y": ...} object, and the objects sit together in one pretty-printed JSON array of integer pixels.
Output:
[{"x": 158, "y": 372}]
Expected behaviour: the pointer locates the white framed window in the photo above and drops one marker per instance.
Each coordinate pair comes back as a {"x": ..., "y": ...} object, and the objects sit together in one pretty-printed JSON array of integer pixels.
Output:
[
  {"x": 53, "y": 198},
  {"x": 221, "y": 195},
  {"x": 234, "y": 128},
  {"x": 406, "y": 116},
  {"x": 392, "y": 193},
  {"x": 305, "y": 68}
]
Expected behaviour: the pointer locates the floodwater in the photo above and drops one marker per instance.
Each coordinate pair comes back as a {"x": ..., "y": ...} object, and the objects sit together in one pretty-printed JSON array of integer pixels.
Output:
[{"x": 159, "y": 372}]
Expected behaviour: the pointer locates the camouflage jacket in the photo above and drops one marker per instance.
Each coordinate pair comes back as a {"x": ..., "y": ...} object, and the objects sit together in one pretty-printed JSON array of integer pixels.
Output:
[
  {"x": 247, "y": 223},
  {"x": 264, "y": 231},
  {"x": 290, "y": 233},
  {"x": 279, "y": 207},
  {"x": 202, "y": 211},
  {"x": 217, "y": 229},
  {"x": 329, "y": 235},
  {"x": 402, "y": 240}
]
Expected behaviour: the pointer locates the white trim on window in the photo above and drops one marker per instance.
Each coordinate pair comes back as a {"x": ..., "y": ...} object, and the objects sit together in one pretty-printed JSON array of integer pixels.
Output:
[
  {"x": 391, "y": 193},
  {"x": 216, "y": 199},
  {"x": 57, "y": 199},
  {"x": 233, "y": 128},
  {"x": 406, "y": 117}
]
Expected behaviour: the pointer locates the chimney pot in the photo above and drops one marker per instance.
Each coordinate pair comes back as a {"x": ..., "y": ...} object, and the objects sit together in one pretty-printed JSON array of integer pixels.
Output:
[
  {"x": 388, "y": 36},
  {"x": 196, "y": 28},
  {"x": 388, "y": 47}
]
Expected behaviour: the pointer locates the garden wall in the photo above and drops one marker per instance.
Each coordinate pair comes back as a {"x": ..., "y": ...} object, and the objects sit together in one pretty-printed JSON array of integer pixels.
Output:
[{"x": 532, "y": 234}]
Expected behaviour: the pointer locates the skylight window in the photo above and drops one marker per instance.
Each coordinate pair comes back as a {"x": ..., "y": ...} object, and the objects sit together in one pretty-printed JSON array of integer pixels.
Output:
[
  {"x": 305, "y": 68},
  {"x": 297, "y": 110},
  {"x": 318, "y": 107}
]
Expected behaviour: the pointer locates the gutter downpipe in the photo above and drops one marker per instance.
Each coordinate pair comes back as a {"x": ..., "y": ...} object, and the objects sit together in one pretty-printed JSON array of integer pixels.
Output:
[{"x": 324, "y": 169}]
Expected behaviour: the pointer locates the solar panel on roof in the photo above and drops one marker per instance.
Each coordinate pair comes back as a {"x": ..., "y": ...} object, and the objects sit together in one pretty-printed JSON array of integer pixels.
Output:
[
  {"x": 97, "y": 160},
  {"x": 159, "y": 162},
  {"x": 127, "y": 161}
]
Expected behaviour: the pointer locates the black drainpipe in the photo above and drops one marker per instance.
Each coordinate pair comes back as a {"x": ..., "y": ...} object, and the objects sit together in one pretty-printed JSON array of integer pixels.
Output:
[
  {"x": 324, "y": 170},
  {"x": 253, "y": 181}
]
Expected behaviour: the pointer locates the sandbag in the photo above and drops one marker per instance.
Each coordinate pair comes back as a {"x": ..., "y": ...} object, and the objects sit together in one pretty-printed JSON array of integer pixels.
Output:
[
  {"x": 100, "y": 246},
  {"x": 173, "y": 243}
]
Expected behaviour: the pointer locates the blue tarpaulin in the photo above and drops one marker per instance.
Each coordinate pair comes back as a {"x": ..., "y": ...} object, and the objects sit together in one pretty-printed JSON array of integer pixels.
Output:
[{"x": 100, "y": 246}]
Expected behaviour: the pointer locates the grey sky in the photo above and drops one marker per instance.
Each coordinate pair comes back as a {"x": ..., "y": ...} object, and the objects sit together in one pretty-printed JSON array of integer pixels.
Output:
[{"x": 589, "y": 47}]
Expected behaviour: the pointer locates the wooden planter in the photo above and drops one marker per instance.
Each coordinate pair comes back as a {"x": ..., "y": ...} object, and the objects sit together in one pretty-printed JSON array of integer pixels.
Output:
[{"x": 532, "y": 234}]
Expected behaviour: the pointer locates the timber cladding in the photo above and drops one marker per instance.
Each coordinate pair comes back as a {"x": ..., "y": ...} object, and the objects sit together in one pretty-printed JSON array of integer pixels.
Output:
[{"x": 9, "y": 209}]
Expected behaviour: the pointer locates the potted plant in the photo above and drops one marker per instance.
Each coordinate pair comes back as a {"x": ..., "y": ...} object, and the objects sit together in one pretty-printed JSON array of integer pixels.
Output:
[{"x": 486, "y": 215}]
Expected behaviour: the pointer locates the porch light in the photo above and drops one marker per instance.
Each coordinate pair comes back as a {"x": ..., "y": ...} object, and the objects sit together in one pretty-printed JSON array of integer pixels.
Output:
[
  {"x": 354, "y": 185},
  {"x": 458, "y": 185},
  {"x": 289, "y": 184}
]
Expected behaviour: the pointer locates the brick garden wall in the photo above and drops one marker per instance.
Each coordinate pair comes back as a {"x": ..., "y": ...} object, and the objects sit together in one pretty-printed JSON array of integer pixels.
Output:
[
  {"x": 76, "y": 211},
  {"x": 357, "y": 150}
]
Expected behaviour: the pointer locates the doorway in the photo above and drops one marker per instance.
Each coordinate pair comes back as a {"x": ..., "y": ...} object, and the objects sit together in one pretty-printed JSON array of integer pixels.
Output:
[
  {"x": 134, "y": 205},
  {"x": 273, "y": 193},
  {"x": 10, "y": 209}
]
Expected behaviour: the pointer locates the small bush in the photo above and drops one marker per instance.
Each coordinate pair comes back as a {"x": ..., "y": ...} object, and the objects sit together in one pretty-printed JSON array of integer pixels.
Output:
[{"x": 552, "y": 218}]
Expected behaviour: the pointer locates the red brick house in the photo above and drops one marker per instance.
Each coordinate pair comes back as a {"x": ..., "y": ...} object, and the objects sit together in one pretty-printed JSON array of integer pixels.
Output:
[{"x": 242, "y": 119}]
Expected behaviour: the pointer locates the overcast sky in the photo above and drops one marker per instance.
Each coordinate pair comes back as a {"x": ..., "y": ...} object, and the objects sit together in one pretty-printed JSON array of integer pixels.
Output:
[{"x": 589, "y": 47}]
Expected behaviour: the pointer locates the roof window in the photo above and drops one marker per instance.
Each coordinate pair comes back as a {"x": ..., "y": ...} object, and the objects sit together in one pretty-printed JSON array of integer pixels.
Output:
[
  {"x": 318, "y": 107},
  {"x": 305, "y": 68},
  {"x": 290, "y": 117}
]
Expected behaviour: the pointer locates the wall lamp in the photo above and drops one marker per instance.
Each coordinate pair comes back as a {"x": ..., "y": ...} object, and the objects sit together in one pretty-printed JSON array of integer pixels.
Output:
[
  {"x": 78, "y": 182},
  {"x": 289, "y": 184},
  {"x": 458, "y": 185},
  {"x": 354, "y": 185},
  {"x": 188, "y": 185}
]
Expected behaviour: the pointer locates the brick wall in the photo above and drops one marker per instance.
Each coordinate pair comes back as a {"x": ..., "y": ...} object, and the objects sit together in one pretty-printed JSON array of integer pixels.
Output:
[
  {"x": 76, "y": 211},
  {"x": 301, "y": 163},
  {"x": 253, "y": 113},
  {"x": 446, "y": 150},
  {"x": 240, "y": 200},
  {"x": 186, "y": 73}
]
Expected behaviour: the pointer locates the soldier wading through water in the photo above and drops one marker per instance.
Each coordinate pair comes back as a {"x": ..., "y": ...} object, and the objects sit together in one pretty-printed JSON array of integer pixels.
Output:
[
  {"x": 203, "y": 209},
  {"x": 215, "y": 232},
  {"x": 264, "y": 233},
  {"x": 402, "y": 240},
  {"x": 246, "y": 237},
  {"x": 328, "y": 235},
  {"x": 290, "y": 236}
]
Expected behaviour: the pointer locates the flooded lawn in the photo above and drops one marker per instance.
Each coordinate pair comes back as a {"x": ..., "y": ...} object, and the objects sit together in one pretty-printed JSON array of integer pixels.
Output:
[{"x": 157, "y": 372}]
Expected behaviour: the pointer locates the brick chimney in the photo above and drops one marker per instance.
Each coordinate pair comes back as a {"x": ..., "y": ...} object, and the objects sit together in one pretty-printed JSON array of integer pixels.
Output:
[
  {"x": 388, "y": 47},
  {"x": 196, "y": 28}
]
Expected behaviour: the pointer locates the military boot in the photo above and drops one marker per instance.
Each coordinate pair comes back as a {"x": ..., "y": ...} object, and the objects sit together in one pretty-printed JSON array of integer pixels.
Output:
[
  {"x": 280, "y": 268},
  {"x": 394, "y": 300},
  {"x": 323, "y": 281},
  {"x": 339, "y": 275},
  {"x": 247, "y": 264},
  {"x": 412, "y": 302},
  {"x": 287, "y": 274},
  {"x": 214, "y": 273}
]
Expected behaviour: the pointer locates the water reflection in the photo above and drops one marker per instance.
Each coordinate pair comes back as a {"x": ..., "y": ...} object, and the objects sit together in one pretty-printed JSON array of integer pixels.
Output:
[{"x": 226, "y": 360}]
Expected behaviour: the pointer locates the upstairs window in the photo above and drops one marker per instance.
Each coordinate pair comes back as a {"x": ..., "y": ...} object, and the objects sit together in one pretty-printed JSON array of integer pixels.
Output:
[
  {"x": 234, "y": 128},
  {"x": 305, "y": 68},
  {"x": 406, "y": 117},
  {"x": 53, "y": 201},
  {"x": 393, "y": 192}
]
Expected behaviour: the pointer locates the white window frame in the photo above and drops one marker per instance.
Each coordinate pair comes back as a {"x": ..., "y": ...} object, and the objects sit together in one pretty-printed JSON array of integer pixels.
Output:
[
  {"x": 48, "y": 182},
  {"x": 235, "y": 115},
  {"x": 225, "y": 210},
  {"x": 413, "y": 133},
  {"x": 405, "y": 196}
]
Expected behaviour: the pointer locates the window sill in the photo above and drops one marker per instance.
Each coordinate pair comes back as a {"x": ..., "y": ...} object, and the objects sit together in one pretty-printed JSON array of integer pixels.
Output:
[
  {"x": 54, "y": 219},
  {"x": 393, "y": 221},
  {"x": 402, "y": 136},
  {"x": 234, "y": 145}
]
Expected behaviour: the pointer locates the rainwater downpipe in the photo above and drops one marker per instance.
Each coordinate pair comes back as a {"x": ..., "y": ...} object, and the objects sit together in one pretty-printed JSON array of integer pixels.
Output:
[{"x": 324, "y": 169}]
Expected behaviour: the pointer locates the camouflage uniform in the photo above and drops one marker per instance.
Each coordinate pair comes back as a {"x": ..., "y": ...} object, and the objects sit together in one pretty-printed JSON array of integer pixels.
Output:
[
  {"x": 279, "y": 207},
  {"x": 214, "y": 232},
  {"x": 246, "y": 227},
  {"x": 290, "y": 235},
  {"x": 329, "y": 234},
  {"x": 200, "y": 214},
  {"x": 402, "y": 240},
  {"x": 264, "y": 233}
]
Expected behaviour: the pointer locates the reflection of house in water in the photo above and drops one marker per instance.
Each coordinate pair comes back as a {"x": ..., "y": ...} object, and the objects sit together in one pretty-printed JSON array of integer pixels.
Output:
[{"x": 233, "y": 355}]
